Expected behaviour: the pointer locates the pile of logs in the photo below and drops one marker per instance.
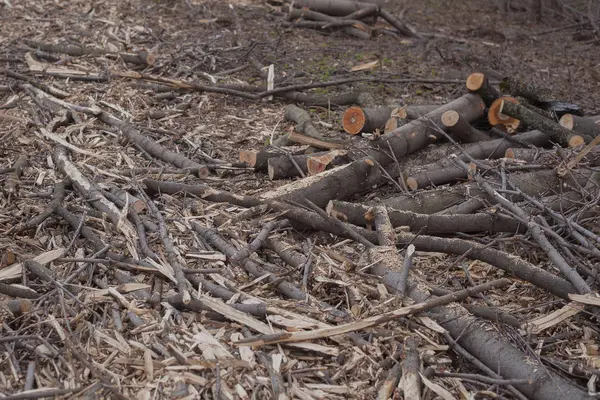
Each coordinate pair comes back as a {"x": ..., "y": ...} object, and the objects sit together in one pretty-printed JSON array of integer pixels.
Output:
[
  {"x": 510, "y": 166},
  {"x": 351, "y": 17}
]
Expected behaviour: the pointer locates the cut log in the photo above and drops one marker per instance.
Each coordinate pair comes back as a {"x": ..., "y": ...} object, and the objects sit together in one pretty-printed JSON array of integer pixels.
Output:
[
  {"x": 588, "y": 126},
  {"x": 393, "y": 123},
  {"x": 336, "y": 8},
  {"x": 529, "y": 155},
  {"x": 357, "y": 28},
  {"x": 413, "y": 111},
  {"x": 533, "y": 93},
  {"x": 560, "y": 134},
  {"x": 303, "y": 122},
  {"x": 358, "y": 120},
  {"x": 462, "y": 129},
  {"x": 479, "y": 83},
  {"x": 436, "y": 177},
  {"x": 419, "y": 133},
  {"x": 298, "y": 138},
  {"x": 283, "y": 167},
  {"x": 259, "y": 159},
  {"x": 317, "y": 163},
  {"x": 424, "y": 175},
  {"x": 498, "y": 119},
  {"x": 339, "y": 183},
  {"x": 430, "y": 224}
]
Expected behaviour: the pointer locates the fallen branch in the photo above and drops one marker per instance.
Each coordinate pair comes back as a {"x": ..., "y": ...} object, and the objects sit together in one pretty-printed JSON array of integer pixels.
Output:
[{"x": 290, "y": 337}]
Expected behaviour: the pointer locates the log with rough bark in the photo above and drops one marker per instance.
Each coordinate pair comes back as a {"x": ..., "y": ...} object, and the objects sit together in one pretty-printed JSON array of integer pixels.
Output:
[
  {"x": 359, "y": 120},
  {"x": 357, "y": 214},
  {"x": 317, "y": 163},
  {"x": 496, "y": 352},
  {"x": 283, "y": 167},
  {"x": 142, "y": 57},
  {"x": 337, "y": 8},
  {"x": 536, "y": 183},
  {"x": 479, "y": 83},
  {"x": 444, "y": 170},
  {"x": 339, "y": 183},
  {"x": 350, "y": 26},
  {"x": 438, "y": 176},
  {"x": 534, "y": 120},
  {"x": 401, "y": 116},
  {"x": 588, "y": 126},
  {"x": 393, "y": 123},
  {"x": 527, "y": 90},
  {"x": 413, "y": 111},
  {"x": 462, "y": 129},
  {"x": 259, "y": 159},
  {"x": 295, "y": 137},
  {"x": 529, "y": 155}
]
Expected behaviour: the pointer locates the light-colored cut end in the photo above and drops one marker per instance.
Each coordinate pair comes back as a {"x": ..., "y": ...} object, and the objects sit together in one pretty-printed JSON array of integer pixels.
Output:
[
  {"x": 475, "y": 81},
  {"x": 412, "y": 183},
  {"x": 567, "y": 121},
  {"x": 248, "y": 157},
  {"x": 497, "y": 119},
  {"x": 450, "y": 118},
  {"x": 576, "y": 140}
]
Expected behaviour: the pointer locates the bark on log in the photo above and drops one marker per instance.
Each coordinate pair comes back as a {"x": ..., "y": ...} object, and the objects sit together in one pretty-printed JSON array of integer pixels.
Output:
[
  {"x": 426, "y": 224},
  {"x": 438, "y": 176},
  {"x": 303, "y": 122},
  {"x": 527, "y": 90},
  {"x": 536, "y": 121},
  {"x": 295, "y": 137},
  {"x": 462, "y": 129},
  {"x": 282, "y": 167},
  {"x": 413, "y": 111},
  {"x": 393, "y": 123},
  {"x": 315, "y": 164},
  {"x": 497, "y": 353},
  {"x": 420, "y": 132},
  {"x": 505, "y": 261},
  {"x": 339, "y": 183},
  {"x": 358, "y": 120},
  {"x": 588, "y": 126},
  {"x": 529, "y": 155},
  {"x": 356, "y": 28},
  {"x": 536, "y": 183},
  {"x": 336, "y": 8},
  {"x": 479, "y": 83}
]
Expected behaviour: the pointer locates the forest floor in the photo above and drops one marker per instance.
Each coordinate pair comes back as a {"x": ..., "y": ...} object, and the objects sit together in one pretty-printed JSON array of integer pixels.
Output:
[{"x": 105, "y": 335}]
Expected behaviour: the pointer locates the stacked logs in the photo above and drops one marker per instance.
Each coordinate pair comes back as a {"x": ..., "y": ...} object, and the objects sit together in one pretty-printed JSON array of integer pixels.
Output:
[{"x": 352, "y": 18}]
